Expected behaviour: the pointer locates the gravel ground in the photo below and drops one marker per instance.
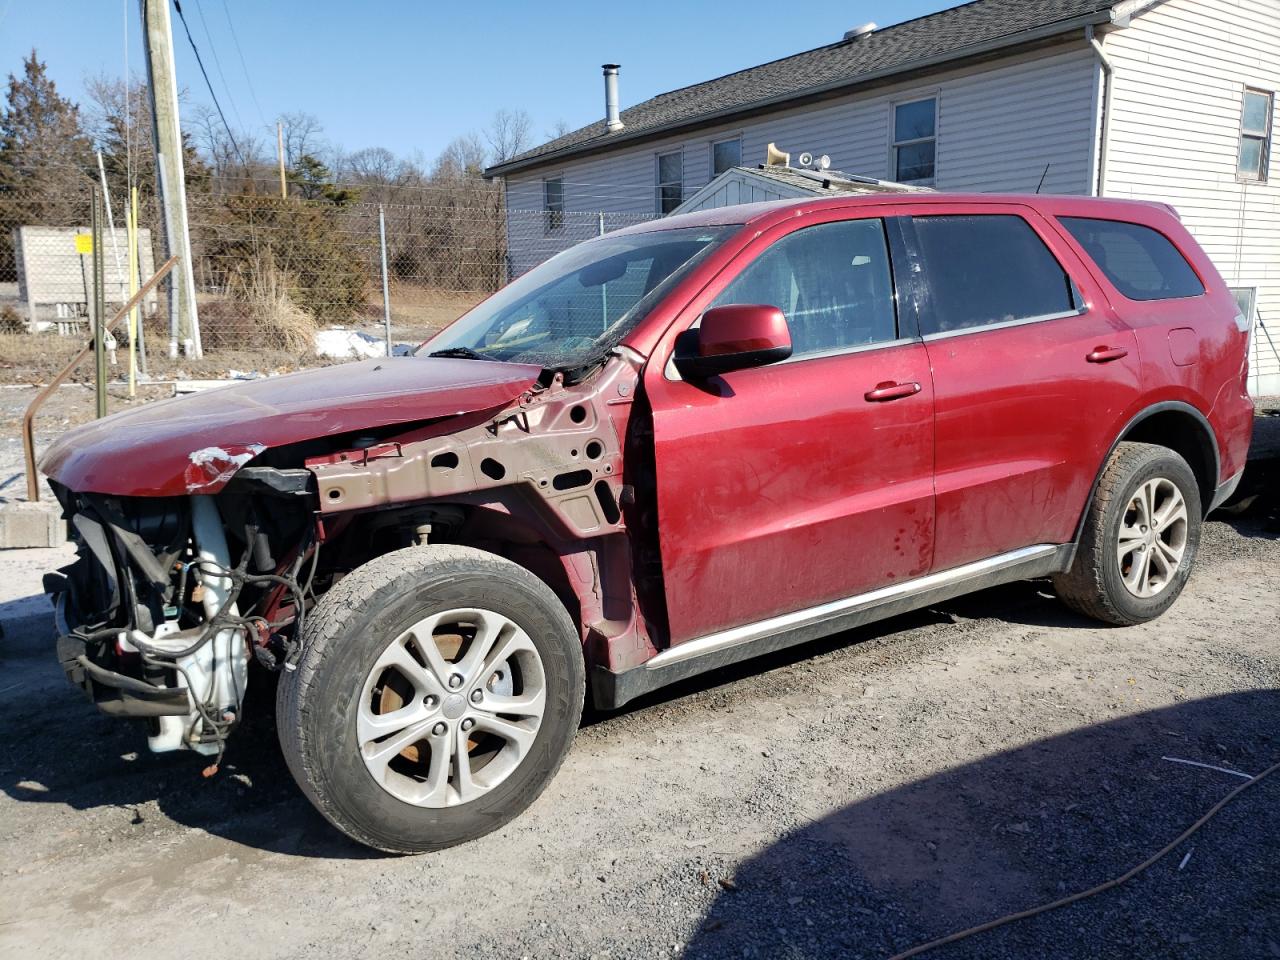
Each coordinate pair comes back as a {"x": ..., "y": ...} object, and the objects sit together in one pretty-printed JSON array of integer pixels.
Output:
[{"x": 850, "y": 798}]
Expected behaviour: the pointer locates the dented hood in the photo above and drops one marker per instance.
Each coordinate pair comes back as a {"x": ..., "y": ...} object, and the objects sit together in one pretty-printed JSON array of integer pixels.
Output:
[{"x": 196, "y": 443}]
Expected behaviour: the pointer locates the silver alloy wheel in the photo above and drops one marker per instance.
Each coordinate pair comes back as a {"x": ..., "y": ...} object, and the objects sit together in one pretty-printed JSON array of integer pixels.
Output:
[
  {"x": 1153, "y": 537},
  {"x": 451, "y": 707}
]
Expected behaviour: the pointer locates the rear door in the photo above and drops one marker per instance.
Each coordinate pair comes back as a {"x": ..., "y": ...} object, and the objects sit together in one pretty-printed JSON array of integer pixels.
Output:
[
  {"x": 785, "y": 486},
  {"x": 1031, "y": 369}
]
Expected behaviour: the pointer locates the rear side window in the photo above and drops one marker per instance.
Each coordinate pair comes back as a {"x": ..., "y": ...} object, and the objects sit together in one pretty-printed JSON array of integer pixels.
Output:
[
  {"x": 988, "y": 269},
  {"x": 1143, "y": 264},
  {"x": 832, "y": 282}
]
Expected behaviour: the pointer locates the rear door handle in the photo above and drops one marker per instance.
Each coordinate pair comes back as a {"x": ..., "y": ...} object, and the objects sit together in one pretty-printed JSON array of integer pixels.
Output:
[
  {"x": 891, "y": 391},
  {"x": 1106, "y": 354}
]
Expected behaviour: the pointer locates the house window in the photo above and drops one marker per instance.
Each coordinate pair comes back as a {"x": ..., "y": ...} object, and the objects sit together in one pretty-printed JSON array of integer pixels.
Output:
[
  {"x": 914, "y": 140},
  {"x": 553, "y": 202},
  {"x": 725, "y": 155},
  {"x": 1255, "y": 135},
  {"x": 670, "y": 181}
]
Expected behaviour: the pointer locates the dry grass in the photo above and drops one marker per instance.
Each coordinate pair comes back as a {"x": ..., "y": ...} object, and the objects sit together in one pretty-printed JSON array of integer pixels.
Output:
[
  {"x": 35, "y": 357},
  {"x": 260, "y": 313},
  {"x": 260, "y": 329},
  {"x": 418, "y": 311}
]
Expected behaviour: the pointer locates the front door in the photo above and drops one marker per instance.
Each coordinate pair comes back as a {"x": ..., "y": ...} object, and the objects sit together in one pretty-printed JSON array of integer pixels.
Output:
[
  {"x": 1031, "y": 369},
  {"x": 782, "y": 487}
]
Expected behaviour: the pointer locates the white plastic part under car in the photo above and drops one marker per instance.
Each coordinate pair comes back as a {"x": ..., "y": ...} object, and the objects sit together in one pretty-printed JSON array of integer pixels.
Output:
[{"x": 215, "y": 674}]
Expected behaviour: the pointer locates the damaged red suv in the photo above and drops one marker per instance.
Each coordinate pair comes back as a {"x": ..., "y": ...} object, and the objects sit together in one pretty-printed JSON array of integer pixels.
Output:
[{"x": 663, "y": 451}]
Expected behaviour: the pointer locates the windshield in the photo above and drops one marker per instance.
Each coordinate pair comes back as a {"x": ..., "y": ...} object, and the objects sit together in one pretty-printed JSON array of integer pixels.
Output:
[{"x": 570, "y": 311}]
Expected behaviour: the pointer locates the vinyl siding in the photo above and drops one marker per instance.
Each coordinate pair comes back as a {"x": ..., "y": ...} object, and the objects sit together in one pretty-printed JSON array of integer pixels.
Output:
[
  {"x": 999, "y": 124},
  {"x": 1180, "y": 73}
]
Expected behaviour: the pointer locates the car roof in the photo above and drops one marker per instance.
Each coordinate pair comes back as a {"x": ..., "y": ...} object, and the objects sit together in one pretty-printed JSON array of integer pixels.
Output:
[{"x": 762, "y": 215}]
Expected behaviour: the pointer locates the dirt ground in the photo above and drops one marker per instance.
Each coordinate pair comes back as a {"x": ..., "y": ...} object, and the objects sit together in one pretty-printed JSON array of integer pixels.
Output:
[{"x": 849, "y": 798}]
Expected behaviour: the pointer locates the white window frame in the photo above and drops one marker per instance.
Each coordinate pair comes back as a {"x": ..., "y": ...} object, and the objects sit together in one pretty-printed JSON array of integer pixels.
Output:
[
  {"x": 554, "y": 217},
  {"x": 1264, "y": 138},
  {"x": 895, "y": 143},
  {"x": 736, "y": 138},
  {"x": 659, "y": 183}
]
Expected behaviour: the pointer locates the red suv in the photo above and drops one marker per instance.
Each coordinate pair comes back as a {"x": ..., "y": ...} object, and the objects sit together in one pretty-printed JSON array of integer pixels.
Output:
[{"x": 665, "y": 450}]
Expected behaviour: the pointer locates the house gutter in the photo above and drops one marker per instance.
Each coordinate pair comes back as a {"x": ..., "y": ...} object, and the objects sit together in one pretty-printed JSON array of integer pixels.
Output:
[
  {"x": 1108, "y": 82},
  {"x": 822, "y": 92}
]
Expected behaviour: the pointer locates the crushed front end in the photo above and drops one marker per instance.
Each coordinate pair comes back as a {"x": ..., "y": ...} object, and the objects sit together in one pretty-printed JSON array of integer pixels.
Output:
[{"x": 157, "y": 621}]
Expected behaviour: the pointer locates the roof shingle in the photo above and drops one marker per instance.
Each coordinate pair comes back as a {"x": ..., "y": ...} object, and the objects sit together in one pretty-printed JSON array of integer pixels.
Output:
[{"x": 846, "y": 62}]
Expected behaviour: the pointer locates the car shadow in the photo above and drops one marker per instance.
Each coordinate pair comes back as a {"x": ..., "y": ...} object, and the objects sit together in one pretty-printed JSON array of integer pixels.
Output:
[
  {"x": 1028, "y": 826},
  {"x": 58, "y": 749}
]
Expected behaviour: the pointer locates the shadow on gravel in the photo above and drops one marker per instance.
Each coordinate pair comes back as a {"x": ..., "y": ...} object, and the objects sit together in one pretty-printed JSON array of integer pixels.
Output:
[
  {"x": 1254, "y": 508},
  {"x": 1029, "y": 826},
  {"x": 101, "y": 765}
]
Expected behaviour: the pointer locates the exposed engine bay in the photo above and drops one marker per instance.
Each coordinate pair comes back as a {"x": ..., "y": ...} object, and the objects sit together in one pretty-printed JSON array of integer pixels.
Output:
[
  {"x": 156, "y": 618},
  {"x": 172, "y": 597}
]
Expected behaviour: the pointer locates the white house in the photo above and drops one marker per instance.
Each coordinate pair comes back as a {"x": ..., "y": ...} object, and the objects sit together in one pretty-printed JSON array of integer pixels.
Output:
[{"x": 1171, "y": 100}]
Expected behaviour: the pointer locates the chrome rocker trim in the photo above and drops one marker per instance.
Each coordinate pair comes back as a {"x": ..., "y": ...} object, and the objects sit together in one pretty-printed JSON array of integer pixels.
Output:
[{"x": 611, "y": 690}]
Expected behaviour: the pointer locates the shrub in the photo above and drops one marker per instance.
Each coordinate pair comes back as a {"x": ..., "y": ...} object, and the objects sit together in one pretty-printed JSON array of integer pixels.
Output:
[
  {"x": 260, "y": 312},
  {"x": 303, "y": 242},
  {"x": 11, "y": 321}
]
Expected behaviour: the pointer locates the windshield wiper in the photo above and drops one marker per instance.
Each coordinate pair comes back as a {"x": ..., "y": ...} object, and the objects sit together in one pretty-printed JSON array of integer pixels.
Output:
[{"x": 462, "y": 353}]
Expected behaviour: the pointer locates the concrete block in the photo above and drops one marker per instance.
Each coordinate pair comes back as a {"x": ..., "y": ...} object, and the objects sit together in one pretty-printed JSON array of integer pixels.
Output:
[{"x": 24, "y": 524}]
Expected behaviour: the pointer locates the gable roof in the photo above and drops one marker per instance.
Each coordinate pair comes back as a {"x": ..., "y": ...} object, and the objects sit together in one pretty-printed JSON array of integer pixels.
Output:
[{"x": 972, "y": 29}]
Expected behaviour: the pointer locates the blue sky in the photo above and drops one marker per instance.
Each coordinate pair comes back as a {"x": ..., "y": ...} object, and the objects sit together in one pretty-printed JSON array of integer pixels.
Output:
[{"x": 411, "y": 76}]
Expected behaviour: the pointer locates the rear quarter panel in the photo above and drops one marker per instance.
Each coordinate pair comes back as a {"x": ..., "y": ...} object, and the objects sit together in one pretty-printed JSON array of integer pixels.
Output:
[{"x": 1191, "y": 349}]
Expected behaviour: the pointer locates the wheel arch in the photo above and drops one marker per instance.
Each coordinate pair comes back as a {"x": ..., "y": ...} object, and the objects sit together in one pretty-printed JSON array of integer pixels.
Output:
[{"x": 1178, "y": 426}]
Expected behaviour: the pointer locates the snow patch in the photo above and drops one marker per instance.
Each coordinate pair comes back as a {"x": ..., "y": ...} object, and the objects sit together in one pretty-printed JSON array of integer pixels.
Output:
[{"x": 345, "y": 344}]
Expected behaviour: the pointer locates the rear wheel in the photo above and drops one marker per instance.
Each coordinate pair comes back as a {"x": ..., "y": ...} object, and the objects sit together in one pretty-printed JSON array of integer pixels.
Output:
[
  {"x": 1140, "y": 538},
  {"x": 437, "y": 694}
]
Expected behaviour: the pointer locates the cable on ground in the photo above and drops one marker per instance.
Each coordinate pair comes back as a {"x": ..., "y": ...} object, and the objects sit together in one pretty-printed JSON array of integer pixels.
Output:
[{"x": 1092, "y": 891}]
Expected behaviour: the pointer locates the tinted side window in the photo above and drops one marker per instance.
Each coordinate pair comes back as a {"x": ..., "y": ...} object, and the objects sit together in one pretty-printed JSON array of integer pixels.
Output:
[
  {"x": 985, "y": 269},
  {"x": 831, "y": 281},
  {"x": 1142, "y": 263}
]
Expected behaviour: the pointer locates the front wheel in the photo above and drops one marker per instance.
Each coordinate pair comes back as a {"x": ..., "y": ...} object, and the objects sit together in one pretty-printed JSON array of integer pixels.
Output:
[
  {"x": 438, "y": 691},
  {"x": 1140, "y": 538}
]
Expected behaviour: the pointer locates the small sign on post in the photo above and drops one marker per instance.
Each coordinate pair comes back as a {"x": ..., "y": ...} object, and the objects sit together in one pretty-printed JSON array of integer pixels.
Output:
[{"x": 84, "y": 243}]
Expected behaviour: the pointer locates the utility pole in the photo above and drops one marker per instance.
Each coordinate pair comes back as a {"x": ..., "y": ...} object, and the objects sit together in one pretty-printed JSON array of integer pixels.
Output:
[
  {"x": 162, "y": 82},
  {"x": 284, "y": 194}
]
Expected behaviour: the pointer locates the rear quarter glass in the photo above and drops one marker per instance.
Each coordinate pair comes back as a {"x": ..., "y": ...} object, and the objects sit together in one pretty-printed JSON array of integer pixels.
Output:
[{"x": 1141, "y": 262}]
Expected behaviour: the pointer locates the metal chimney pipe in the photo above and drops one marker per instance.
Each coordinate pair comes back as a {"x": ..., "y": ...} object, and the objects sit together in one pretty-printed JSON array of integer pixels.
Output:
[{"x": 611, "y": 97}]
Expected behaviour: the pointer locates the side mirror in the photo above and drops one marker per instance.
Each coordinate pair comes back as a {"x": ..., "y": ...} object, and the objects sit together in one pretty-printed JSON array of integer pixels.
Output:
[{"x": 733, "y": 337}]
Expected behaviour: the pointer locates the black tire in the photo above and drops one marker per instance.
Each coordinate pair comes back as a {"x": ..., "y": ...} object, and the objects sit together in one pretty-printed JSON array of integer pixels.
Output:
[
  {"x": 346, "y": 633},
  {"x": 1094, "y": 585}
]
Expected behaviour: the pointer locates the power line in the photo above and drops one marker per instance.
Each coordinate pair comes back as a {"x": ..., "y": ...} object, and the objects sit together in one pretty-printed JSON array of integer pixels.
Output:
[
  {"x": 217, "y": 63},
  {"x": 196, "y": 50},
  {"x": 226, "y": 8}
]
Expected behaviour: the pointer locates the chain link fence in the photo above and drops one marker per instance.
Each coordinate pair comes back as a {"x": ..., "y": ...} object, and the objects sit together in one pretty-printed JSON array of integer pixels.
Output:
[{"x": 279, "y": 282}]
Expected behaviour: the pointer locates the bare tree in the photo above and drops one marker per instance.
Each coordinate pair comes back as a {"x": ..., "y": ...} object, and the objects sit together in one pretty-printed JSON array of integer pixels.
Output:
[
  {"x": 558, "y": 129},
  {"x": 508, "y": 134},
  {"x": 373, "y": 165},
  {"x": 303, "y": 135},
  {"x": 229, "y": 154},
  {"x": 463, "y": 157}
]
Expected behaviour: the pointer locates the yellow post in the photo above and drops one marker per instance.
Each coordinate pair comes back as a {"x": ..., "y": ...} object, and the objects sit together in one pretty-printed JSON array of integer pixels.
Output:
[{"x": 134, "y": 329}]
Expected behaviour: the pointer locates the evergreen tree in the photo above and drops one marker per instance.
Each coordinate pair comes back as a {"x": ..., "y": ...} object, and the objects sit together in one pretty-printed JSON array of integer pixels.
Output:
[
  {"x": 46, "y": 159},
  {"x": 315, "y": 182}
]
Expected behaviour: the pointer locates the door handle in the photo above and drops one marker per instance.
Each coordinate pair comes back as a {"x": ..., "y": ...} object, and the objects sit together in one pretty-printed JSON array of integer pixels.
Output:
[
  {"x": 1106, "y": 354},
  {"x": 891, "y": 391}
]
